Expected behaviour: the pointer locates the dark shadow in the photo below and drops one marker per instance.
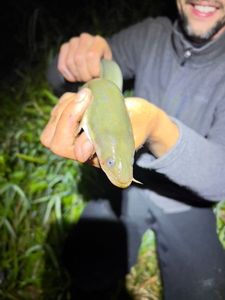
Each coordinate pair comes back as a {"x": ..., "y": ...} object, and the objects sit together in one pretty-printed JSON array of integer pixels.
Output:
[
  {"x": 162, "y": 185},
  {"x": 95, "y": 185},
  {"x": 92, "y": 254},
  {"x": 95, "y": 250},
  {"x": 95, "y": 256}
]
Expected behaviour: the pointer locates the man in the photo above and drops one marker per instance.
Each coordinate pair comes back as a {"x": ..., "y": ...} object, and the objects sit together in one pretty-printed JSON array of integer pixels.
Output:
[{"x": 180, "y": 70}]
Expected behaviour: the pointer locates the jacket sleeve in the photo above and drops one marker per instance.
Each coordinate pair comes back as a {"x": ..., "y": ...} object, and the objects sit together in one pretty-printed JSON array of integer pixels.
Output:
[{"x": 195, "y": 162}]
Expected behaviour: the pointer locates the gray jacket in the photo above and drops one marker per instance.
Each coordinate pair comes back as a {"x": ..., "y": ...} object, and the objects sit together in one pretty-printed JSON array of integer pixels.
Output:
[{"x": 189, "y": 84}]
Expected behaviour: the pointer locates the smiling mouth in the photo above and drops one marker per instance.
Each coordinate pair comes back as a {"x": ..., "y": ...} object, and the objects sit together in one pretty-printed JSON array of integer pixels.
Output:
[{"x": 205, "y": 7}]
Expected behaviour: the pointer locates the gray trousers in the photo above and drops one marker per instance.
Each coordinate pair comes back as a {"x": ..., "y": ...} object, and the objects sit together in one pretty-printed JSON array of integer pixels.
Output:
[{"x": 104, "y": 247}]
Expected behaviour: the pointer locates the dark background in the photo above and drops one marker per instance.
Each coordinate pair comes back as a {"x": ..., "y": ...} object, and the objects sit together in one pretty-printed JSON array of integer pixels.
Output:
[{"x": 30, "y": 29}]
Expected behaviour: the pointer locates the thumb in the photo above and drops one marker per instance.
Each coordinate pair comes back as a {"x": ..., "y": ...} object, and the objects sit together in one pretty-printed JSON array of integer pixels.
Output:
[{"x": 68, "y": 126}]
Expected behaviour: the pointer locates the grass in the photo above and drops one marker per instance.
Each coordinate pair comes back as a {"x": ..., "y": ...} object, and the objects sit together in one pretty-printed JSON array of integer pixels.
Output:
[{"x": 37, "y": 189}]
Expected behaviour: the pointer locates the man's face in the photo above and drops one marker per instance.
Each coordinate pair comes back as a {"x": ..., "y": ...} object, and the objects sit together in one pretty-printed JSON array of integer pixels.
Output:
[{"x": 202, "y": 20}]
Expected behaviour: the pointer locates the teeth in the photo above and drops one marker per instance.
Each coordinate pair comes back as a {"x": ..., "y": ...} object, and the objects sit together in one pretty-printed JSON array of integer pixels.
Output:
[{"x": 205, "y": 9}]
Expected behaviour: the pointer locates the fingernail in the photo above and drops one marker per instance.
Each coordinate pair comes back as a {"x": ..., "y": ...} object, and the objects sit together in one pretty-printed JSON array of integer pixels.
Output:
[{"x": 83, "y": 95}]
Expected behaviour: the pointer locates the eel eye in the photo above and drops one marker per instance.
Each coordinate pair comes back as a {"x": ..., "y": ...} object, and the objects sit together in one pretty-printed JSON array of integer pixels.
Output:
[{"x": 110, "y": 162}]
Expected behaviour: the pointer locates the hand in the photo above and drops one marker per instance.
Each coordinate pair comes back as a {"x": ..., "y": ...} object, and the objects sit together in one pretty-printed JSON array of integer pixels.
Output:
[
  {"x": 62, "y": 133},
  {"x": 151, "y": 126},
  {"x": 79, "y": 58}
]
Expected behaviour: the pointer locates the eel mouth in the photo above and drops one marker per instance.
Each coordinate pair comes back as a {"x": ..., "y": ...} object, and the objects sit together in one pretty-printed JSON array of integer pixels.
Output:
[
  {"x": 117, "y": 180},
  {"x": 121, "y": 184},
  {"x": 124, "y": 184}
]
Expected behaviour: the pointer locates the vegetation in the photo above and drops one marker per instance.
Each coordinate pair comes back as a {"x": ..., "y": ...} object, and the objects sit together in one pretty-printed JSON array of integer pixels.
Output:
[
  {"x": 37, "y": 189},
  {"x": 42, "y": 195}
]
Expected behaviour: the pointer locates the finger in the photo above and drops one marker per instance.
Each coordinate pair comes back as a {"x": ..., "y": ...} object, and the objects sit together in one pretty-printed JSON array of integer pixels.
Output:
[
  {"x": 64, "y": 60},
  {"x": 63, "y": 100},
  {"x": 83, "y": 148},
  {"x": 80, "y": 58},
  {"x": 97, "y": 51},
  {"x": 69, "y": 124},
  {"x": 104, "y": 46},
  {"x": 49, "y": 130},
  {"x": 70, "y": 59}
]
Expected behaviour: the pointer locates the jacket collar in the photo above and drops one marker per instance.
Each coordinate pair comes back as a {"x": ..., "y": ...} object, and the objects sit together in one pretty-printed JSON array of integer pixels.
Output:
[{"x": 207, "y": 54}]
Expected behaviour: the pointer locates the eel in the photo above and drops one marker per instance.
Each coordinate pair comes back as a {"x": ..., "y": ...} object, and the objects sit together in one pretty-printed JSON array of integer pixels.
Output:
[{"x": 107, "y": 124}]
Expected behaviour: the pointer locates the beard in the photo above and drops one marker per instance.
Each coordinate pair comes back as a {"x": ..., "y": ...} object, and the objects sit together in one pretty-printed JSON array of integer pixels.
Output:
[{"x": 203, "y": 37}]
